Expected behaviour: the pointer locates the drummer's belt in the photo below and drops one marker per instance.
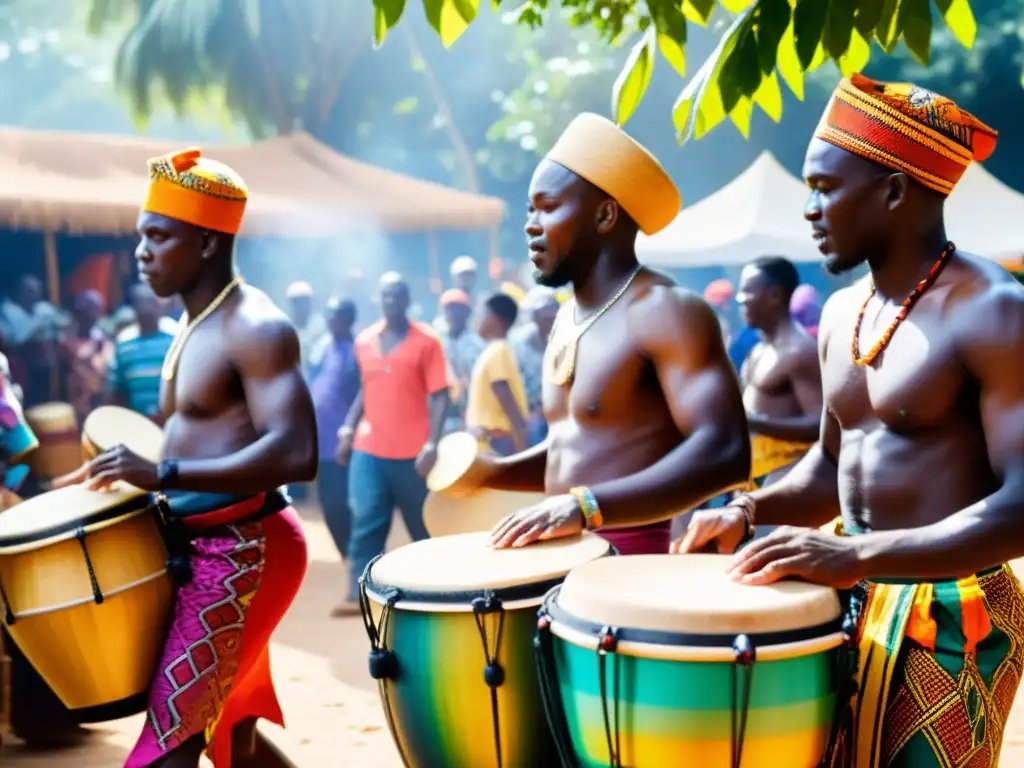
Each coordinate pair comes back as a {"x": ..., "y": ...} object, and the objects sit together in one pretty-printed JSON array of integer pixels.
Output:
[
  {"x": 188, "y": 515},
  {"x": 768, "y": 455},
  {"x": 939, "y": 663}
]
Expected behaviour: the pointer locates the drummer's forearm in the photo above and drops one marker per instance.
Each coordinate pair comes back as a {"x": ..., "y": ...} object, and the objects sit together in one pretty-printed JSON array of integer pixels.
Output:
[
  {"x": 522, "y": 471},
  {"x": 274, "y": 460},
  {"x": 808, "y": 495},
  {"x": 706, "y": 464}
]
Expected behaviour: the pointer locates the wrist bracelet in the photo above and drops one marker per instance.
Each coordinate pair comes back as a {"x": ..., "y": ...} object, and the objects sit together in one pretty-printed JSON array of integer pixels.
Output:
[
  {"x": 746, "y": 504},
  {"x": 592, "y": 517}
]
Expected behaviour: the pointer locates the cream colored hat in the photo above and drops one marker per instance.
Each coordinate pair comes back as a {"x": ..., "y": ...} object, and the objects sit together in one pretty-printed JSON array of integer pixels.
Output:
[{"x": 598, "y": 150}]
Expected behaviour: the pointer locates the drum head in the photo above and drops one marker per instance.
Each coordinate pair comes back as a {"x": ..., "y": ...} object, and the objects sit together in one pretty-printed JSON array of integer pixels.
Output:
[
  {"x": 455, "y": 456},
  {"x": 111, "y": 425},
  {"x": 39, "y": 519},
  {"x": 52, "y": 415},
  {"x": 467, "y": 563},
  {"x": 445, "y": 515},
  {"x": 690, "y": 594}
]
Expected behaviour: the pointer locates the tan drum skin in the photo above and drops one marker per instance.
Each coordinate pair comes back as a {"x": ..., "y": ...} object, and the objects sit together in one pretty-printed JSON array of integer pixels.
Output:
[
  {"x": 444, "y": 514},
  {"x": 5, "y": 691},
  {"x": 458, "y": 470},
  {"x": 92, "y": 655},
  {"x": 56, "y": 428},
  {"x": 110, "y": 425}
]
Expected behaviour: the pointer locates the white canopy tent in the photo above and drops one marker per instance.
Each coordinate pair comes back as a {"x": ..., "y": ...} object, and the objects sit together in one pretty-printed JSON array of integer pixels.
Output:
[
  {"x": 758, "y": 213},
  {"x": 985, "y": 216}
]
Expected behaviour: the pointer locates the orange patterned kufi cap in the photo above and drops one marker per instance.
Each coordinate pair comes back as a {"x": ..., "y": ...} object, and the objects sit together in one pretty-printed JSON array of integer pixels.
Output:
[
  {"x": 597, "y": 150},
  {"x": 906, "y": 128},
  {"x": 195, "y": 189}
]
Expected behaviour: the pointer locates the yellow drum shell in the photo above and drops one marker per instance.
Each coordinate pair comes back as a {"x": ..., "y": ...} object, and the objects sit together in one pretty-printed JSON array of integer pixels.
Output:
[
  {"x": 110, "y": 425},
  {"x": 458, "y": 470},
  {"x": 95, "y": 656},
  {"x": 56, "y": 428}
]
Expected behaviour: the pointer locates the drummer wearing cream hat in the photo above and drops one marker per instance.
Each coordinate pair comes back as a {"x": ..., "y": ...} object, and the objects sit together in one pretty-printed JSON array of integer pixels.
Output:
[{"x": 644, "y": 410}]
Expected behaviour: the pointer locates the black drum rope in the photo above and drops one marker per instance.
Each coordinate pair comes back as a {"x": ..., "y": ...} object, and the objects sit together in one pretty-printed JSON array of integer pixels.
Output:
[
  {"x": 9, "y": 617},
  {"x": 606, "y": 644},
  {"x": 383, "y": 662},
  {"x": 494, "y": 674},
  {"x": 547, "y": 677},
  {"x": 97, "y": 593},
  {"x": 846, "y": 676},
  {"x": 745, "y": 657}
]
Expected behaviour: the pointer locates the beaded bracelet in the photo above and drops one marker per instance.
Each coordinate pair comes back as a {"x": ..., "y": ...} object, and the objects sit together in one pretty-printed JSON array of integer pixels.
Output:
[
  {"x": 592, "y": 517},
  {"x": 746, "y": 504}
]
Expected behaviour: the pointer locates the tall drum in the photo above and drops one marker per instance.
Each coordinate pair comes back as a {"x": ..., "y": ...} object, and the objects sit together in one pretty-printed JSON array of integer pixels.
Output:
[
  {"x": 658, "y": 660},
  {"x": 451, "y": 624},
  {"x": 85, "y": 593},
  {"x": 60, "y": 447}
]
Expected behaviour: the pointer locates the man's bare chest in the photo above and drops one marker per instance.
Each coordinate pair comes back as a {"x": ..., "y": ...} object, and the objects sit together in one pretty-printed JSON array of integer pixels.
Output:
[
  {"x": 915, "y": 382},
  {"x": 205, "y": 382}
]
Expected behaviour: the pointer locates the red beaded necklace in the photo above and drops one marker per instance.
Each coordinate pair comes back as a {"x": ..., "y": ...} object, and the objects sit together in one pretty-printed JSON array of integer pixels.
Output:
[{"x": 908, "y": 304}]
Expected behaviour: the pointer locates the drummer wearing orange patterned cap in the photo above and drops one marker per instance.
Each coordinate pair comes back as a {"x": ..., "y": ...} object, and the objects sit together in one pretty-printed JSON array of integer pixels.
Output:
[
  {"x": 644, "y": 410},
  {"x": 921, "y": 450},
  {"x": 239, "y": 424}
]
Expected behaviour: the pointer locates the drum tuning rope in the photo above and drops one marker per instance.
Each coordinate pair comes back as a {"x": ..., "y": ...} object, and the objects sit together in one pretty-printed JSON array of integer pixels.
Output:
[
  {"x": 746, "y": 656},
  {"x": 9, "y": 617},
  {"x": 494, "y": 674},
  {"x": 383, "y": 663},
  {"x": 97, "y": 593},
  {"x": 607, "y": 642},
  {"x": 547, "y": 677},
  {"x": 846, "y": 663}
]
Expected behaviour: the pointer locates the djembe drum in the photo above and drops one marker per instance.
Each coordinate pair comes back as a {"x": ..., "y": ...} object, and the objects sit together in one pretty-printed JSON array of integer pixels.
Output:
[
  {"x": 658, "y": 660},
  {"x": 457, "y": 470},
  {"x": 60, "y": 447},
  {"x": 111, "y": 425},
  {"x": 85, "y": 593},
  {"x": 445, "y": 515},
  {"x": 451, "y": 623}
]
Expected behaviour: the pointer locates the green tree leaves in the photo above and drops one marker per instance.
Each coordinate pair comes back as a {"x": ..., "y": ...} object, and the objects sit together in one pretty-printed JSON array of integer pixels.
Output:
[{"x": 766, "y": 40}]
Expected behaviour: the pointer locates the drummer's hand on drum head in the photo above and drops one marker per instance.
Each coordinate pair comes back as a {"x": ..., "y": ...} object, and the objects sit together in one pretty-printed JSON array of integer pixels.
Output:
[
  {"x": 553, "y": 518},
  {"x": 80, "y": 475},
  {"x": 722, "y": 528},
  {"x": 119, "y": 463},
  {"x": 804, "y": 553}
]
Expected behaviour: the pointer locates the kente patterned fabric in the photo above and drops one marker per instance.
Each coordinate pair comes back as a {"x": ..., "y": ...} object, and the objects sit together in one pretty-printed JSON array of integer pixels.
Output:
[
  {"x": 906, "y": 128},
  {"x": 215, "y": 668},
  {"x": 939, "y": 664},
  {"x": 768, "y": 454},
  {"x": 197, "y": 190}
]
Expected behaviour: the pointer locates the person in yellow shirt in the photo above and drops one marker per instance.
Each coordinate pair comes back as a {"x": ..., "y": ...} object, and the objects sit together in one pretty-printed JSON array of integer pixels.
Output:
[{"x": 496, "y": 401}]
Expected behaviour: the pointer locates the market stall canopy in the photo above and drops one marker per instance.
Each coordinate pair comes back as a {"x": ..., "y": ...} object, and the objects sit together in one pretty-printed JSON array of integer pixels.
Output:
[
  {"x": 986, "y": 217},
  {"x": 93, "y": 184},
  {"x": 758, "y": 213}
]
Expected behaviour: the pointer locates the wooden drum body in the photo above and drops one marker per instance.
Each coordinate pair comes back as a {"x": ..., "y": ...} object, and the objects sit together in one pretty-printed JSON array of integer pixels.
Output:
[
  {"x": 451, "y": 624},
  {"x": 111, "y": 425},
  {"x": 661, "y": 660},
  {"x": 86, "y": 595},
  {"x": 56, "y": 428}
]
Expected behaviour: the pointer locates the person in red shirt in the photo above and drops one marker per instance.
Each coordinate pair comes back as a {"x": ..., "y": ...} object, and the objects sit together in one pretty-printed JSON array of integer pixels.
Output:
[{"x": 390, "y": 436}]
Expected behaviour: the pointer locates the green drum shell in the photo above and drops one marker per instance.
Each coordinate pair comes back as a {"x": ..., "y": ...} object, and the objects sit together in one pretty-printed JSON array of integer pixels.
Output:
[
  {"x": 441, "y": 705},
  {"x": 675, "y": 703}
]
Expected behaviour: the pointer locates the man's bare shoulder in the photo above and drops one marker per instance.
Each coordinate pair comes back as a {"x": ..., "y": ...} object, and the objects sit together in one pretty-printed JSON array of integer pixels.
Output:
[
  {"x": 985, "y": 305},
  {"x": 260, "y": 333},
  {"x": 662, "y": 313}
]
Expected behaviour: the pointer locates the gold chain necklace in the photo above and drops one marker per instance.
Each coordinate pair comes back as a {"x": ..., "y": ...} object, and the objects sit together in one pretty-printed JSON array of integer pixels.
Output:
[
  {"x": 560, "y": 356},
  {"x": 170, "y": 366}
]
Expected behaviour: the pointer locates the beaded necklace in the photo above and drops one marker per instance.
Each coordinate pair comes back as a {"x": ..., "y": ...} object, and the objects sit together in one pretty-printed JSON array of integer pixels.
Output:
[
  {"x": 908, "y": 304},
  {"x": 170, "y": 366}
]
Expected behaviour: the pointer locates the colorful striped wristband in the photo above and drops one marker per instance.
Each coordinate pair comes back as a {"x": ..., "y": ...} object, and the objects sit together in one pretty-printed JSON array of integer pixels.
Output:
[{"x": 592, "y": 517}]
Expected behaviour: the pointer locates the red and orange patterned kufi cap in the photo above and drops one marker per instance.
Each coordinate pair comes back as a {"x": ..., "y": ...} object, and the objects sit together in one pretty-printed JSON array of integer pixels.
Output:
[
  {"x": 906, "y": 128},
  {"x": 197, "y": 190}
]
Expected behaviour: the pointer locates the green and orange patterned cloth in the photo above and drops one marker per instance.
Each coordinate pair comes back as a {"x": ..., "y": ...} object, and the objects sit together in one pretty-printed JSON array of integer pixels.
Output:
[
  {"x": 939, "y": 664},
  {"x": 906, "y": 128}
]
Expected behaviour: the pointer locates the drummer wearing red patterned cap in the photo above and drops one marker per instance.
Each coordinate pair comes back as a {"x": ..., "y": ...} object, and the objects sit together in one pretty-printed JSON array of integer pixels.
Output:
[
  {"x": 644, "y": 410},
  {"x": 239, "y": 424},
  {"x": 921, "y": 449}
]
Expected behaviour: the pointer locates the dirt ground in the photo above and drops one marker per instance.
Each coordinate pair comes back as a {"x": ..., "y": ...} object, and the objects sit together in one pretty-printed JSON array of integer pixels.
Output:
[{"x": 334, "y": 718}]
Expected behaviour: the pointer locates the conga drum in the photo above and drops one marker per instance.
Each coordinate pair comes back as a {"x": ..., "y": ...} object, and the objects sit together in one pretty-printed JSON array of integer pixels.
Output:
[
  {"x": 111, "y": 425},
  {"x": 85, "y": 593},
  {"x": 451, "y": 623},
  {"x": 457, "y": 471},
  {"x": 658, "y": 660},
  {"x": 60, "y": 448},
  {"x": 445, "y": 515},
  {"x": 5, "y": 690}
]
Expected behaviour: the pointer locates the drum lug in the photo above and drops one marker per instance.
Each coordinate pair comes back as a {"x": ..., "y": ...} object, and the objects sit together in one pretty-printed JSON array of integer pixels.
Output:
[
  {"x": 487, "y": 604},
  {"x": 744, "y": 651},
  {"x": 607, "y": 640},
  {"x": 383, "y": 664}
]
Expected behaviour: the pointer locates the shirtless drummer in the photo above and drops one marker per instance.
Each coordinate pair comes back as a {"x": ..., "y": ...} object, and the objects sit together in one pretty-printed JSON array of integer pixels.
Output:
[
  {"x": 240, "y": 424},
  {"x": 644, "y": 409},
  {"x": 922, "y": 439}
]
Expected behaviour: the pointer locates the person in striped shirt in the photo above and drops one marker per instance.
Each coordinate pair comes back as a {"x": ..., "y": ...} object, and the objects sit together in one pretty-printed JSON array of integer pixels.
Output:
[{"x": 139, "y": 354}]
